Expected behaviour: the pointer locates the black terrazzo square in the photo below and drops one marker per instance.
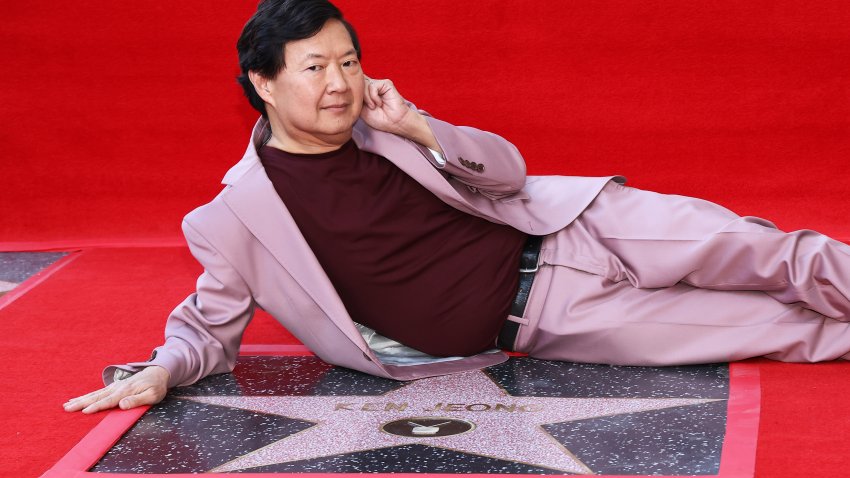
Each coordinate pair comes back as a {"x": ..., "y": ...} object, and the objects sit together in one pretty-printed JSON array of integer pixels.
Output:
[
  {"x": 20, "y": 266},
  {"x": 526, "y": 416},
  {"x": 16, "y": 267}
]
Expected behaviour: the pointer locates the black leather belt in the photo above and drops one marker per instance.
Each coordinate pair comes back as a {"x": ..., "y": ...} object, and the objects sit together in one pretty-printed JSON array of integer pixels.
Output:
[{"x": 527, "y": 268}]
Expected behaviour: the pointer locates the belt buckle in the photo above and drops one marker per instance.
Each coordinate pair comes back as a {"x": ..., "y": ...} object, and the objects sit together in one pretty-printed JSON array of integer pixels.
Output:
[{"x": 524, "y": 270}]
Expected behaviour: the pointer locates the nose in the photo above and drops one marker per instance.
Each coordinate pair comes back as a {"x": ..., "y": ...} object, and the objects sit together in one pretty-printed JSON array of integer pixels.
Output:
[{"x": 336, "y": 79}]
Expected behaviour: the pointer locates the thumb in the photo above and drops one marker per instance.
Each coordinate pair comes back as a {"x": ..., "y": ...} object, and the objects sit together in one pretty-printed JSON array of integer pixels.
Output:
[
  {"x": 145, "y": 397},
  {"x": 127, "y": 403}
]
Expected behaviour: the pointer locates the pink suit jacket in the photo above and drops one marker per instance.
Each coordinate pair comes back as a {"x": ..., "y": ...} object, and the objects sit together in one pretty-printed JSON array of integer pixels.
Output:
[{"x": 254, "y": 255}]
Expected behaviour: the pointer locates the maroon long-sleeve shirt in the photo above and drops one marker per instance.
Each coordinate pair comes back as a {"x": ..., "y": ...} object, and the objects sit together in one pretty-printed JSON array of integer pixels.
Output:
[{"x": 404, "y": 262}]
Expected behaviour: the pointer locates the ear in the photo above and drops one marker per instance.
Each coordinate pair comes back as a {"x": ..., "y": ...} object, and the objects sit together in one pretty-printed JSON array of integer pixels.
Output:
[{"x": 262, "y": 85}]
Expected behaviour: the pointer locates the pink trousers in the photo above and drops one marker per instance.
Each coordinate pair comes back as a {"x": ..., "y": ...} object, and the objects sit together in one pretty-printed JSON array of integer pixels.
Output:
[{"x": 642, "y": 278}]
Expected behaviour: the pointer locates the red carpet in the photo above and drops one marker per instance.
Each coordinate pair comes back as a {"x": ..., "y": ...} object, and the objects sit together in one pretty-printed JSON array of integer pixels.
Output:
[{"x": 120, "y": 117}]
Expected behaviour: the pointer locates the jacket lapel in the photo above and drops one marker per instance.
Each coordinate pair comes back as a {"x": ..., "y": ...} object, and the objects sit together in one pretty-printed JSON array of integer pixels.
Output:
[{"x": 398, "y": 151}]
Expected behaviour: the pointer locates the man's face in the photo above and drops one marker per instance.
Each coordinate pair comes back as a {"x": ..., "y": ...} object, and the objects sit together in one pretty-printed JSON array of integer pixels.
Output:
[{"x": 317, "y": 97}]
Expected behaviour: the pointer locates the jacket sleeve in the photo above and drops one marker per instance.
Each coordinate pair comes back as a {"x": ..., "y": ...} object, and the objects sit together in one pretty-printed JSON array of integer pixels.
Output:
[
  {"x": 203, "y": 333},
  {"x": 486, "y": 163}
]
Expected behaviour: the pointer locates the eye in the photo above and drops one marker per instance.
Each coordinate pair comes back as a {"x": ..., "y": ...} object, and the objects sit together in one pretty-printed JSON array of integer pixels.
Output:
[
  {"x": 350, "y": 64},
  {"x": 315, "y": 68}
]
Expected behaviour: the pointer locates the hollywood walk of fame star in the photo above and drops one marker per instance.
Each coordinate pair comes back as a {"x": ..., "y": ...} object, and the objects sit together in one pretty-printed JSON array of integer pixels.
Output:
[{"x": 505, "y": 427}]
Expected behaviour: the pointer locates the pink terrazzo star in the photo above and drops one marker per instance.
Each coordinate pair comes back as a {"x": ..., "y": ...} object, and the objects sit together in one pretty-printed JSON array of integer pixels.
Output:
[{"x": 505, "y": 427}]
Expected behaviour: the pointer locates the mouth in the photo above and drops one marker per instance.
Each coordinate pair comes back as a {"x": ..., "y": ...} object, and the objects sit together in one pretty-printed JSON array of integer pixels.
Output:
[{"x": 336, "y": 107}]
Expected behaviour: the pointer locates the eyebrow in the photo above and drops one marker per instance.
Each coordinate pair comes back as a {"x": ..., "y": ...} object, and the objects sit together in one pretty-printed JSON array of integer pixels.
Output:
[{"x": 311, "y": 56}]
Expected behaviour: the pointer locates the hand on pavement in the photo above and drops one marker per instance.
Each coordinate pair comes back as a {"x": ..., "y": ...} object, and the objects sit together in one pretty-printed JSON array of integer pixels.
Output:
[{"x": 147, "y": 387}]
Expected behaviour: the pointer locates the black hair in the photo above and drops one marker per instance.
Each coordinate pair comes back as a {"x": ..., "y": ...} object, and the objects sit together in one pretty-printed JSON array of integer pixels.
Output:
[{"x": 276, "y": 22}]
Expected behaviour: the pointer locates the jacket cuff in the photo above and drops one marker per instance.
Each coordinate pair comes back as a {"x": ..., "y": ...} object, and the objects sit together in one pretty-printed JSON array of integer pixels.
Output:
[{"x": 176, "y": 368}]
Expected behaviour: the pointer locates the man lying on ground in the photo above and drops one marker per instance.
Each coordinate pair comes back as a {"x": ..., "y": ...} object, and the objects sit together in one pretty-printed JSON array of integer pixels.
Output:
[{"x": 396, "y": 244}]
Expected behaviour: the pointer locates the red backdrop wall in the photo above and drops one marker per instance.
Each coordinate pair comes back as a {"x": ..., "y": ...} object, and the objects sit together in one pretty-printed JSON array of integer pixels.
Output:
[{"x": 119, "y": 117}]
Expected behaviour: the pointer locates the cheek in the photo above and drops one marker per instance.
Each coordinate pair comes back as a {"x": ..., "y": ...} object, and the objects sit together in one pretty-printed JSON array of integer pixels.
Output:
[
  {"x": 299, "y": 114},
  {"x": 302, "y": 106},
  {"x": 304, "y": 94}
]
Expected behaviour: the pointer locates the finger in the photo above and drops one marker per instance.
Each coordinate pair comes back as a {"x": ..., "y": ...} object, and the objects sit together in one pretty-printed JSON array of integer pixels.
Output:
[
  {"x": 90, "y": 395},
  {"x": 146, "y": 397},
  {"x": 382, "y": 87},
  {"x": 75, "y": 405},
  {"x": 104, "y": 404},
  {"x": 107, "y": 402},
  {"x": 374, "y": 92},
  {"x": 367, "y": 96},
  {"x": 78, "y": 403},
  {"x": 115, "y": 392}
]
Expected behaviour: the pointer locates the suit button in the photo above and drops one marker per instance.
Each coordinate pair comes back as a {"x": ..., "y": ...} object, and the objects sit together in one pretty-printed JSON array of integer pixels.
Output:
[{"x": 480, "y": 168}]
